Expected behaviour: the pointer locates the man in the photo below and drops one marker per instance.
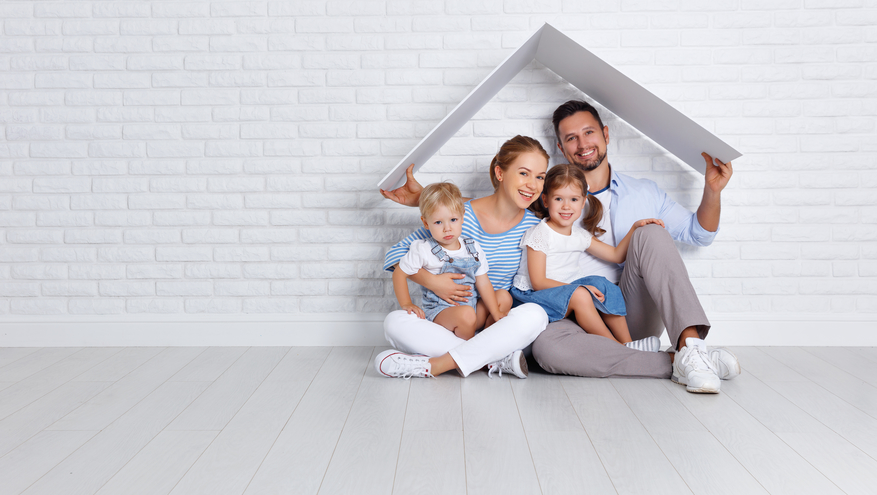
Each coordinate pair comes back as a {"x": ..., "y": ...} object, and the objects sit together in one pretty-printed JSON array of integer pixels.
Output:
[{"x": 654, "y": 280}]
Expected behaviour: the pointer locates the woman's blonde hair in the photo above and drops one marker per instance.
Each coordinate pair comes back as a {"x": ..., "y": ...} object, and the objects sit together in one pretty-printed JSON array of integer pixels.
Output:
[{"x": 440, "y": 194}]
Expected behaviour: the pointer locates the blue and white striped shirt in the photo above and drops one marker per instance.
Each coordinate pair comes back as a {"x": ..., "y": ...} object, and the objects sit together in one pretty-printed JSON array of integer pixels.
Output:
[{"x": 503, "y": 250}]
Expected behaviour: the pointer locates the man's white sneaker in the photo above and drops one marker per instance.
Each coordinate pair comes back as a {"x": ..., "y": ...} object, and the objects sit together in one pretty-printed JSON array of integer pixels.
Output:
[
  {"x": 515, "y": 363},
  {"x": 693, "y": 368},
  {"x": 724, "y": 362},
  {"x": 648, "y": 344},
  {"x": 397, "y": 364}
]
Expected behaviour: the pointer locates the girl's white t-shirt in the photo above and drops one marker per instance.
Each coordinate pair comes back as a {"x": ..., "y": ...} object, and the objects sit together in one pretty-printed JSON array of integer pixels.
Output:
[
  {"x": 562, "y": 253},
  {"x": 591, "y": 265},
  {"x": 420, "y": 256}
]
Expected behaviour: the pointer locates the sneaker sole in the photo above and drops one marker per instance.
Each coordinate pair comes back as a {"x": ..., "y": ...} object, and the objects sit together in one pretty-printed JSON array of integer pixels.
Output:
[
  {"x": 524, "y": 370},
  {"x": 702, "y": 390}
]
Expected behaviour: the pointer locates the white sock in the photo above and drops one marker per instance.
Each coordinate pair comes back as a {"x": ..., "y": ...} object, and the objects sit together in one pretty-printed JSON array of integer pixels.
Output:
[{"x": 648, "y": 344}]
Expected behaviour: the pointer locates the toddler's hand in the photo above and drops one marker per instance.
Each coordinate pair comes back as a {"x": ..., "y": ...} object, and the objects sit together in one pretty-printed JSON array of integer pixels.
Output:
[
  {"x": 599, "y": 295},
  {"x": 411, "y": 308},
  {"x": 499, "y": 315}
]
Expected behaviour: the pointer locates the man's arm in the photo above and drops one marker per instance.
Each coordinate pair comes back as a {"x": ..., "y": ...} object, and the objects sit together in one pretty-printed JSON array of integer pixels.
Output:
[{"x": 716, "y": 177}]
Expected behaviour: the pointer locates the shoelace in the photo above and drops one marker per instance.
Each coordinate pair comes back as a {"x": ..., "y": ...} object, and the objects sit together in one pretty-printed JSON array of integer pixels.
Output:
[
  {"x": 412, "y": 370},
  {"x": 499, "y": 366},
  {"x": 704, "y": 358}
]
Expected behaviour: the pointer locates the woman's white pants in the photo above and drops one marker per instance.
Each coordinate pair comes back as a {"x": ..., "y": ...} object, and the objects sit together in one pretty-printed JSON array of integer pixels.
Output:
[{"x": 408, "y": 333}]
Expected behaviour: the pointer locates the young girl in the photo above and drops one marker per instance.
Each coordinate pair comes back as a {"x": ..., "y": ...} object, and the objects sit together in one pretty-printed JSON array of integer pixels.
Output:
[
  {"x": 548, "y": 274},
  {"x": 441, "y": 209}
]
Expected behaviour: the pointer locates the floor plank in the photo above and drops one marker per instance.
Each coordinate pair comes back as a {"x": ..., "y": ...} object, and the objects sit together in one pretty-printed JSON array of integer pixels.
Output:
[
  {"x": 621, "y": 441},
  {"x": 209, "y": 365},
  {"x": 705, "y": 465},
  {"x": 848, "y": 387},
  {"x": 364, "y": 460},
  {"x": 298, "y": 459},
  {"x": 125, "y": 393},
  {"x": 118, "y": 365},
  {"x": 160, "y": 465},
  {"x": 90, "y": 467},
  {"x": 225, "y": 396},
  {"x": 35, "y": 362},
  {"x": 34, "y": 458},
  {"x": 544, "y": 405},
  {"x": 435, "y": 404},
  {"x": 858, "y": 428},
  {"x": 38, "y": 415},
  {"x": 228, "y": 465},
  {"x": 567, "y": 464},
  {"x": 309, "y": 420},
  {"x": 847, "y": 360},
  {"x": 44, "y": 381},
  {"x": 431, "y": 463},
  {"x": 848, "y": 467},
  {"x": 499, "y": 462},
  {"x": 778, "y": 468},
  {"x": 11, "y": 354}
]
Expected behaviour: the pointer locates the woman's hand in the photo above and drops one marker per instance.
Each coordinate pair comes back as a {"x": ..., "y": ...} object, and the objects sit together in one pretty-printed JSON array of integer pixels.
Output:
[
  {"x": 411, "y": 308},
  {"x": 646, "y": 221},
  {"x": 596, "y": 293},
  {"x": 408, "y": 194},
  {"x": 449, "y": 291}
]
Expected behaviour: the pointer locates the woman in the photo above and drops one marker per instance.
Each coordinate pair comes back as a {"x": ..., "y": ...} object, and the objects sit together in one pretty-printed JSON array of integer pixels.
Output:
[{"x": 497, "y": 222}]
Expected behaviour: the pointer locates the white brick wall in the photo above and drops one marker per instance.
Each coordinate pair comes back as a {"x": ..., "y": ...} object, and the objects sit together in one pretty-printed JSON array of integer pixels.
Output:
[{"x": 163, "y": 157}]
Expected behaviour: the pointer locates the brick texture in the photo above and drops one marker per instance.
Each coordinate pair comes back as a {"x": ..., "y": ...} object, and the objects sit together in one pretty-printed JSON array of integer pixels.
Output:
[{"x": 221, "y": 157}]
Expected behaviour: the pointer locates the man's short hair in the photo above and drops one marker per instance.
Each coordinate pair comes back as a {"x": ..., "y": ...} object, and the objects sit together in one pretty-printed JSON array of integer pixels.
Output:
[
  {"x": 570, "y": 108},
  {"x": 441, "y": 194}
]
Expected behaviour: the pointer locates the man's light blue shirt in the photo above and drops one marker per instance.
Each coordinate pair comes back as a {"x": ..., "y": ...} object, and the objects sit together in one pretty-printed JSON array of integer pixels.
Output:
[{"x": 637, "y": 199}]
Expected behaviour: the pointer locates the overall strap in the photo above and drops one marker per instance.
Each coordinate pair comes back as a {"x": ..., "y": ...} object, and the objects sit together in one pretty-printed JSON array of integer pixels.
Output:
[
  {"x": 437, "y": 250},
  {"x": 470, "y": 247}
]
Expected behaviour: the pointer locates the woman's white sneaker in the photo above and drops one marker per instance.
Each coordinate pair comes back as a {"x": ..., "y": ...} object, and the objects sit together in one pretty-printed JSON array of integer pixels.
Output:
[
  {"x": 395, "y": 364},
  {"x": 648, "y": 344},
  {"x": 725, "y": 363},
  {"x": 693, "y": 368},
  {"x": 515, "y": 363}
]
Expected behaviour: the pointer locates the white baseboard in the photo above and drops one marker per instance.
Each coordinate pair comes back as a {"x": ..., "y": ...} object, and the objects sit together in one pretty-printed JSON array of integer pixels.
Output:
[{"x": 367, "y": 330}]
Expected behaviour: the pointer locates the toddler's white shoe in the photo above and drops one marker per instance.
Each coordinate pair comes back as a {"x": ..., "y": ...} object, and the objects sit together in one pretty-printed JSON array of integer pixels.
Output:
[
  {"x": 648, "y": 344},
  {"x": 515, "y": 363},
  {"x": 693, "y": 368},
  {"x": 724, "y": 362},
  {"x": 395, "y": 364}
]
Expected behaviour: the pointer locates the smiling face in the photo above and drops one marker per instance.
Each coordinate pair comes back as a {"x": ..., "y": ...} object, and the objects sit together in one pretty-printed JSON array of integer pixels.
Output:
[
  {"x": 445, "y": 225},
  {"x": 582, "y": 141},
  {"x": 564, "y": 206},
  {"x": 523, "y": 179}
]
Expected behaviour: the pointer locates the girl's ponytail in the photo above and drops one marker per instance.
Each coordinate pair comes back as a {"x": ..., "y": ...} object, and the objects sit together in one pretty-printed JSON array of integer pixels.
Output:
[{"x": 591, "y": 221}]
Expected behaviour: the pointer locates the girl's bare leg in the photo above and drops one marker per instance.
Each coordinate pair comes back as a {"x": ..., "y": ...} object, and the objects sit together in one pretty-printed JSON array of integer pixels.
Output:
[
  {"x": 587, "y": 315},
  {"x": 503, "y": 299},
  {"x": 459, "y": 319},
  {"x": 618, "y": 325}
]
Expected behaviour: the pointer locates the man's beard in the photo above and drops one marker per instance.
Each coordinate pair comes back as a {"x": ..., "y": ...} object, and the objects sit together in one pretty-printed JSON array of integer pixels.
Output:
[{"x": 591, "y": 164}]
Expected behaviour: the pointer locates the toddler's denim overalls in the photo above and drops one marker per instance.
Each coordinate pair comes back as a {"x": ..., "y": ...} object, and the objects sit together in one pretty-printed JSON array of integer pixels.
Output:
[{"x": 432, "y": 305}]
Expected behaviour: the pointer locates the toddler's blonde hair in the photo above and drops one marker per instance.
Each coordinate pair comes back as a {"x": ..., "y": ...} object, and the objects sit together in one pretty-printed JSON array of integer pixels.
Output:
[{"x": 440, "y": 194}]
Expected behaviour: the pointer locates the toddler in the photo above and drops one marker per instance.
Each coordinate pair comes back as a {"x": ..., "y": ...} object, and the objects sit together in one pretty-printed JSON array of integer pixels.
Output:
[{"x": 441, "y": 209}]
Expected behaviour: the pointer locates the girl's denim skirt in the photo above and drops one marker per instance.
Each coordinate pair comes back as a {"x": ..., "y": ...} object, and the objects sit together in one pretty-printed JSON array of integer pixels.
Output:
[{"x": 555, "y": 301}]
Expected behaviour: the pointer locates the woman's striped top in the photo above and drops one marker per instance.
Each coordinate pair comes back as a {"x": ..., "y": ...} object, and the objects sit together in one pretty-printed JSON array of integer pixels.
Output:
[{"x": 503, "y": 250}]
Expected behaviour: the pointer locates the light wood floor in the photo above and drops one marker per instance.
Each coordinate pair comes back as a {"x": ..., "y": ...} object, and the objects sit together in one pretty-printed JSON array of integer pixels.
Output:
[{"x": 320, "y": 420}]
